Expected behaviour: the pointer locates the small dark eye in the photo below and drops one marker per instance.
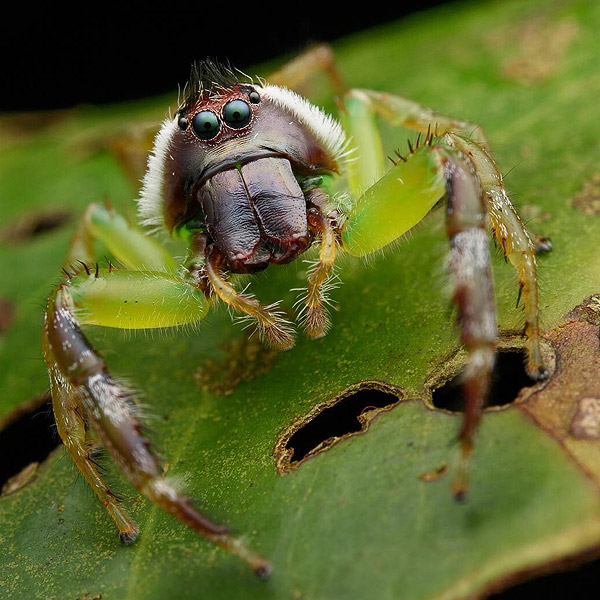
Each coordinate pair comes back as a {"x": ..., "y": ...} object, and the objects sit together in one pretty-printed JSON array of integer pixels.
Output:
[
  {"x": 182, "y": 122},
  {"x": 237, "y": 114},
  {"x": 206, "y": 124},
  {"x": 254, "y": 97}
]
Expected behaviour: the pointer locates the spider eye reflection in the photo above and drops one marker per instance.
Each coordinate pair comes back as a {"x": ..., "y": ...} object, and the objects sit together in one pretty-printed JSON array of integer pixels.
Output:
[
  {"x": 237, "y": 114},
  {"x": 206, "y": 124}
]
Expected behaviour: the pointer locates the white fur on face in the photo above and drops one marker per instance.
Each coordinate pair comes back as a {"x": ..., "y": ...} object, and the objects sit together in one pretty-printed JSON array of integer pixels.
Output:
[
  {"x": 324, "y": 127},
  {"x": 150, "y": 203}
]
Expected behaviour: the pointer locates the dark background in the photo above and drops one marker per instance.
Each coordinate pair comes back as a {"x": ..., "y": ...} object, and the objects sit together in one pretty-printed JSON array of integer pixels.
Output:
[{"x": 57, "y": 59}]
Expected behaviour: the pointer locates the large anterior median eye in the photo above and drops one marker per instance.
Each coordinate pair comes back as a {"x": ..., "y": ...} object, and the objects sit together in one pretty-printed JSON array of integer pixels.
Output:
[
  {"x": 206, "y": 124},
  {"x": 237, "y": 114}
]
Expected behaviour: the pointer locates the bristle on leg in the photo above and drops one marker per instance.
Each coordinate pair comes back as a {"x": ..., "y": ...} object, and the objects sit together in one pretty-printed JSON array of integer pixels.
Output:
[
  {"x": 470, "y": 263},
  {"x": 313, "y": 314},
  {"x": 270, "y": 323}
]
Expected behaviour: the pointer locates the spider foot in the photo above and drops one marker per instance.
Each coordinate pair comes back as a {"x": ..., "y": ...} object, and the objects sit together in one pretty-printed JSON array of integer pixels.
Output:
[
  {"x": 261, "y": 567},
  {"x": 274, "y": 329},
  {"x": 460, "y": 484},
  {"x": 130, "y": 536},
  {"x": 316, "y": 322},
  {"x": 543, "y": 245},
  {"x": 538, "y": 373}
]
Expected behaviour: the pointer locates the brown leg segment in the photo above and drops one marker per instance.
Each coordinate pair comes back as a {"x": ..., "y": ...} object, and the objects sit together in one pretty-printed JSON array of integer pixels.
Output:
[
  {"x": 474, "y": 296},
  {"x": 71, "y": 428},
  {"x": 513, "y": 238},
  {"x": 106, "y": 406}
]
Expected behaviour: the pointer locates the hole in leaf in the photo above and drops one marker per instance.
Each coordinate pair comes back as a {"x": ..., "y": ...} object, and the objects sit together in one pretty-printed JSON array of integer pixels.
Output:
[
  {"x": 31, "y": 226},
  {"x": 347, "y": 414},
  {"x": 575, "y": 583},
  {"x": 28, "y": 435},
  {"x": 508, "y": 379}
]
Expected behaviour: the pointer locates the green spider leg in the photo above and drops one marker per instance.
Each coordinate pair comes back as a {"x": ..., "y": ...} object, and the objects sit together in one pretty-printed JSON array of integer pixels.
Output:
[
  {"x": 133, "y": 248},
  {"x": 450, "y": 160},
  {"x": 469, "y": 141},
  {"x": 85, "y": 394}
]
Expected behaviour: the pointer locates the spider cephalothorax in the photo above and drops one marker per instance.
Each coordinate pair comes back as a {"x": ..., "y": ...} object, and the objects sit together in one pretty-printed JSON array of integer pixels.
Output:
[
  {"x": 238, "y": 163},
  {"x": 251, "y": 174}
]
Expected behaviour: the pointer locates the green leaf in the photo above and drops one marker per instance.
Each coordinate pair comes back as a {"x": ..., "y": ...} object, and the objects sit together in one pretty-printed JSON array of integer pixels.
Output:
[{"x": 363, "y": 518}]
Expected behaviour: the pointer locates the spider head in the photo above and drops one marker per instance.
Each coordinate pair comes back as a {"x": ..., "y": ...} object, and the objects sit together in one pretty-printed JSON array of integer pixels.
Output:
[{"x": 230, "y": 162}]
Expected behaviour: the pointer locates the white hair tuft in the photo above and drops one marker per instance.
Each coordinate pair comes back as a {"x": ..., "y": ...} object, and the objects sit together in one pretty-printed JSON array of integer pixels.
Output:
[
  {"x": 150, "y": 202},
  {"x": 324, "y": 127}
]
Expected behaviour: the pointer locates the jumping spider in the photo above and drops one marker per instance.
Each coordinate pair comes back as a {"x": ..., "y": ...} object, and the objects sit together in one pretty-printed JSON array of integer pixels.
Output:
[{"x": 249, "y": 174}]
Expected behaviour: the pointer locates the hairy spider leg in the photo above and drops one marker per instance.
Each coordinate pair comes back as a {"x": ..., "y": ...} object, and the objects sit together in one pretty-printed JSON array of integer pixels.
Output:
[
  {"x": 313, "y": 315},
  {"x": 515, "y": 242},
  {"x": 360, "y": 106},
  {"x": 474, "y": 295},
  {"x": 508, "y": 228},
  {"x": 402, "y": 112},
  {"x": 400, "y": 199},
  {"x": 395, "y": 203},
  {"x": 85, "y": 393},
  {"x": 71, "y": 426},
  {"x": 272, "y": 327}
]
